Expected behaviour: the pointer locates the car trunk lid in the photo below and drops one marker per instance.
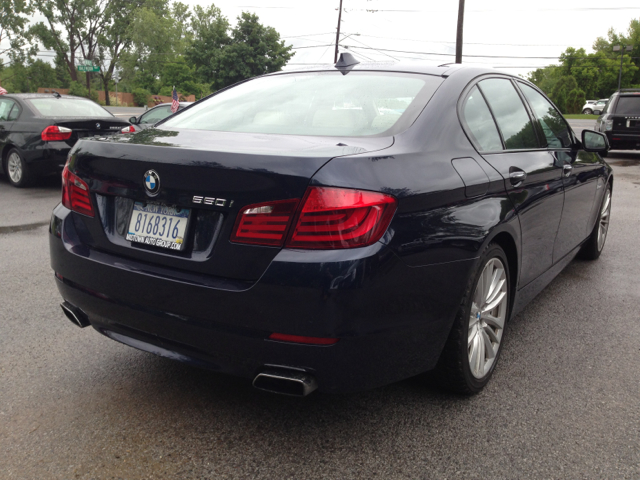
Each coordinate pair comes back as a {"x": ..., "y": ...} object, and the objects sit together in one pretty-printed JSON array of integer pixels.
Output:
[{"x": 213, "y": 175}]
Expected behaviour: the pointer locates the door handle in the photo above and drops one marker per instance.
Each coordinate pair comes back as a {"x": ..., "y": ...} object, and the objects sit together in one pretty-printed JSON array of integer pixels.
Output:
[
  {"x": 567, "y": 169},
  {"x": 517, "y": 177}
]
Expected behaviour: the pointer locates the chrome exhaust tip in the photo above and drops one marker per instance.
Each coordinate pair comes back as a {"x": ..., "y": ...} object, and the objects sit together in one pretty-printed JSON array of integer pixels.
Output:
[
  {"x": 77, "y": 316},
  {"x": 285, "y": 381}
]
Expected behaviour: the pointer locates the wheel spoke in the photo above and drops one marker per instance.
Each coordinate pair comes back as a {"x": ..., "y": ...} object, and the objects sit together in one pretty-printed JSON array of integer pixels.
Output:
[
  {"x": 495, "y": 322},
  {"x": 480, "y": 359},
  {"x": 488, "y": 346},
  {"x": 496, "y": 290},
  {"x": 495, "y": 303}
]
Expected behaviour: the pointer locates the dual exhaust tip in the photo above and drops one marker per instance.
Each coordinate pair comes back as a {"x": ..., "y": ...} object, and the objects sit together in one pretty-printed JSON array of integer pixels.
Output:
[
  {"x": 286, "y": 381},
  {"x": 274, "y": 379}
]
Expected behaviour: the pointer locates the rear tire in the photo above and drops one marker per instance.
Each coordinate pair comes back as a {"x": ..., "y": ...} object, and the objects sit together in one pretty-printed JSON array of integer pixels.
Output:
[
  {"x": 474, "y": 344},
  {"x": 587, "y": 111},
  {"x": 16, "y": 169},
  {"x": 592, "y": 248}
]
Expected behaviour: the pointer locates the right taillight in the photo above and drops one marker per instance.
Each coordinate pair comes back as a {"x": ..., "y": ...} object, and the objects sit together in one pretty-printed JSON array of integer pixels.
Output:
[
  {"x": 75, "y": 193},
  {"x": 53, "y": 133},
  {"x": 327, "y": 218},
  {"x": 341, "y": 218},
  {"x": 129, "y": 129}
]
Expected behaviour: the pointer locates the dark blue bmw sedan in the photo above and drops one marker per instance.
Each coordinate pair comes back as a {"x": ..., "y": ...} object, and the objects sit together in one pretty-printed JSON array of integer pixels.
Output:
[{"x": 339, "y": 228}]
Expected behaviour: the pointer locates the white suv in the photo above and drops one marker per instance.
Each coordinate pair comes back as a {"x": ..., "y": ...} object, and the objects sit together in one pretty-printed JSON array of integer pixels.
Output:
[{"x": 594, "y": 107}]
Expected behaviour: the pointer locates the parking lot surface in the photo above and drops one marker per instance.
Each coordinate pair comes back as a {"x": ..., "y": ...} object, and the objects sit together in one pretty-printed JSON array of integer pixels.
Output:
[{"x": 564, "y": 401}]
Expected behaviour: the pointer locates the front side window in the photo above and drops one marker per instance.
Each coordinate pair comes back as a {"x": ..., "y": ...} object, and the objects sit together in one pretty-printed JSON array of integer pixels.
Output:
[
  {"x": 556, "y": 130},
  {"x": 512, "y": 118},
  {"x": 480, "y": 122},
  {"x": 316, "y": 103},
  {"x": 68, "y": 107}
]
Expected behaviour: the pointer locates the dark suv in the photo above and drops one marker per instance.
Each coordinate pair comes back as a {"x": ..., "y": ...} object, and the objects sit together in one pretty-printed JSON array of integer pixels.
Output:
[{"x": 620, "y": 120}]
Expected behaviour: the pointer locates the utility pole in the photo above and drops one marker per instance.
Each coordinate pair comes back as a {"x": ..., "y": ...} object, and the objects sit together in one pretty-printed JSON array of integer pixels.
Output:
[
  {"x": 618, "y": 48},
  {"x": 459, "y": 34},
  {"x": 335, "y": 57}
]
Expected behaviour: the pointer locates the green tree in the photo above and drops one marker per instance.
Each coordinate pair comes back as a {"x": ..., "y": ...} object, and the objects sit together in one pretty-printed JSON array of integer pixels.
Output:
[
  {"x": 254, "y": 50},
  {"x": 560, "y": 92},
  {"x": 575, "y": 100},
  {"x": 72, "y": 29},
  {"x": 14, "y": 17},
  {"x": 209, "y": 36}
]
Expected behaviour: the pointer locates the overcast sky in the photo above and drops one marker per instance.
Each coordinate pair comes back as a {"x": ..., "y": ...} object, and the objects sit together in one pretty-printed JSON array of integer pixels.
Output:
[{"x": 426, "y": 29}]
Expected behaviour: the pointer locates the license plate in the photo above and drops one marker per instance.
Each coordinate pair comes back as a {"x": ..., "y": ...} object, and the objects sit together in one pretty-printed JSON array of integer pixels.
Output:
[{"x": 158, "y": 225}]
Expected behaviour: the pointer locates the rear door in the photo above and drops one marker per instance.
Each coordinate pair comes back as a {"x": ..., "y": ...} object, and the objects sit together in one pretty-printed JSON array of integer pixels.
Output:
[
  {"x": 533, "y": 180},
  {"x": 580, "y": 172}
]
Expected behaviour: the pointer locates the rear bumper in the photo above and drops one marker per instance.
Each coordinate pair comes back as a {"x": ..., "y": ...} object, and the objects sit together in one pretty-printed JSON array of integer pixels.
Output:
[
  {"x": 624, "y": 141},
  {"x": 391, "y": 320}
]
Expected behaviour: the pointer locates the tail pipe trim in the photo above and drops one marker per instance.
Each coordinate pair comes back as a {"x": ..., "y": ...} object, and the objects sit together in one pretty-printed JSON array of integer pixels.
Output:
[
  {"x": 76, "y": 315},
  {"x": 286, "y": 381}
]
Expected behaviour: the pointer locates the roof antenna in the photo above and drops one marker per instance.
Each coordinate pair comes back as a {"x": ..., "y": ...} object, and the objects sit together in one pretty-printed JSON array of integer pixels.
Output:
[{"x": 346, "y": 62}]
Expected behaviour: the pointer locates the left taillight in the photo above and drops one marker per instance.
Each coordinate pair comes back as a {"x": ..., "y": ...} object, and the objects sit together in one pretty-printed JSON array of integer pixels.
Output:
[
  {"x": 75, "y": 193},
  {"x": 129, "y": 129},
  {"x": 55, "y": 133},
  {"x": 265, "y": 223}
]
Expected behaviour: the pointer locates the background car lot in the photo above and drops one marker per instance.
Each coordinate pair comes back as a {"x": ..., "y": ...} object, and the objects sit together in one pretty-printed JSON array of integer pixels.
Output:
[{"x": 564, "y": 401}]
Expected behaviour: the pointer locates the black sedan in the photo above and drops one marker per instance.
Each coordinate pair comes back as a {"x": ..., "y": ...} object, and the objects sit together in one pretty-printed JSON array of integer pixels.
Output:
[
  {"x": 338, "y": 229},
  {"x": 152, "y": 116},
  {"x": 38, "y": 130}
]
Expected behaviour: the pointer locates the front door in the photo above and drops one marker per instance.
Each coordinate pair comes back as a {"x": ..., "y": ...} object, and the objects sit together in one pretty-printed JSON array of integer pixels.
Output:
[
  {"x": 533, "y": 180},
  {"x": 580, "y": 172}
]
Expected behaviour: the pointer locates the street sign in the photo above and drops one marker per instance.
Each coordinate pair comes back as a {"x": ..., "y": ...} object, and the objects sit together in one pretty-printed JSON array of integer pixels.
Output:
[{"x": 88, "y": 68}]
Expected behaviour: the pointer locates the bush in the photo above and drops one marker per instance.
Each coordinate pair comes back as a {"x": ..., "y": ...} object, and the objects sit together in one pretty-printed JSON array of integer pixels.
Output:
[
  {"x": 575, "y": 100},
  {"x": 94, "y": 96},
  {"x": 141, "y": 96},
  {"x": 78, "y": 89}
]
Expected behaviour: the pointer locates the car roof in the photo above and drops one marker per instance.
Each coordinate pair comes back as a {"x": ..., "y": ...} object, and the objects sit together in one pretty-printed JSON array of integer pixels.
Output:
[
  {"x": 165, "y": 104},
  {"x": 28, "y": 96},
  {"x": 428, "y": 68}
]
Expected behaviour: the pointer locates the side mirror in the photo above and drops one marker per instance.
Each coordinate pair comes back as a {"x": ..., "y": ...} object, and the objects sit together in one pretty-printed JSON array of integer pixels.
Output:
[
  {"x": 594, "y": 141},
  {"x": 133, "y": 120}
]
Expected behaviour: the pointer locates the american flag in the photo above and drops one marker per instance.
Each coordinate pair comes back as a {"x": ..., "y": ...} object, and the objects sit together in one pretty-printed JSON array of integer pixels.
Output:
[
  {"x": 3, "y": 91},
  {"x": 175, "y": 103}
]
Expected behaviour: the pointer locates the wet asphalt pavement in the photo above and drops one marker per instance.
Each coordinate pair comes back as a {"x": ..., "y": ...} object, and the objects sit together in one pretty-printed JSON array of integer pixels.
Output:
[{"x": 564, "y": 401}]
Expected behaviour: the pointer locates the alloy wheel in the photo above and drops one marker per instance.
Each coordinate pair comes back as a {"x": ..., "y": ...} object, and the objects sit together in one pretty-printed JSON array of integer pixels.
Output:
[
  {"x": 14, "y": 166},
  {"x": 487, "y": 317},
  {"x": 603, "y": 225}
]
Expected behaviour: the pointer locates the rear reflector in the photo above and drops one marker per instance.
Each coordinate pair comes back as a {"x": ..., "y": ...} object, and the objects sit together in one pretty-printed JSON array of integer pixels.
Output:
[
  {"x": 54, "y": 133},
  {"x": 75, "y": 193},
  {"x": 265, "y": 223},
  {"x": 341, "y": 218},
  {"x": 283, "y": 337}
]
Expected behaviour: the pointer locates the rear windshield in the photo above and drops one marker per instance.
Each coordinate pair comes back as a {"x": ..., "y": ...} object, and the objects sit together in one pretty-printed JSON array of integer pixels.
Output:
[
  {"x": 319, "y": 104},
  {"x": 68, "y": 107},
  {"x": 628, "y": 105}
]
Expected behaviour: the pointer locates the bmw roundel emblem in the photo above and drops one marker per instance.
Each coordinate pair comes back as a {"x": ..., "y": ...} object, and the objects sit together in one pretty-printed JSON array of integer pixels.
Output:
[
  {"x": 98, "y": 126},
  {"x": 152, "y": 183}
]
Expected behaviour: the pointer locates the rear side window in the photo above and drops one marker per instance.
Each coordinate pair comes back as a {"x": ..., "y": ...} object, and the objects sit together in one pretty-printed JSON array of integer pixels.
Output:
[
  {"x": 628, "y": 105},
  {"x": 507, "y": 107},
  {"x": 68, "y": 107},
  {"x": 5, "y": 108},
  {"x": 320, "y": 104},
  {"x": 556, "y": 130},
  {"x": 480, "y": 122}
]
